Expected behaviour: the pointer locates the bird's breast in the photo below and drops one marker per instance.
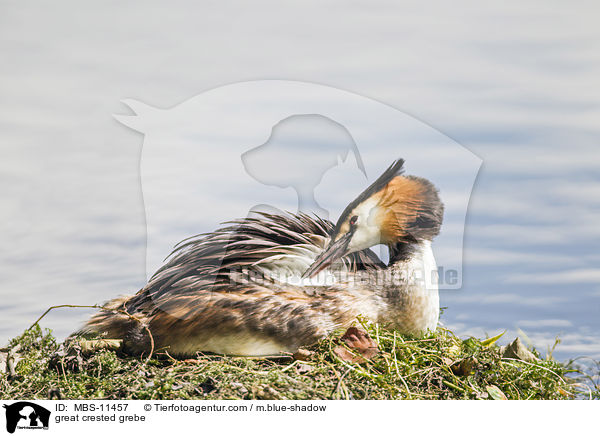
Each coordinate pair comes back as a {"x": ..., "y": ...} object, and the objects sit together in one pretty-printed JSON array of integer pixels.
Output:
[{"x": 411, "y": 292}]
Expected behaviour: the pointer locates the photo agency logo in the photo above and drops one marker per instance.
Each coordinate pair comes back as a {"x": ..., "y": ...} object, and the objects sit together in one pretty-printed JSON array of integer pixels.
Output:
[
  {"x": 249, "y": 151},
  {"x": 25, "y": 415}
]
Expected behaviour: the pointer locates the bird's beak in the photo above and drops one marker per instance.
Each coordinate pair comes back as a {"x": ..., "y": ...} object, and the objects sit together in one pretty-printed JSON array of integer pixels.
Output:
[{"x": 335, "y": 251}]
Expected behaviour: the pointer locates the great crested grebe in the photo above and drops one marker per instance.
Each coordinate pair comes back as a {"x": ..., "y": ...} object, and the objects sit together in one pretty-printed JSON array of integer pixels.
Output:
[{"x": 272, "y": 283}]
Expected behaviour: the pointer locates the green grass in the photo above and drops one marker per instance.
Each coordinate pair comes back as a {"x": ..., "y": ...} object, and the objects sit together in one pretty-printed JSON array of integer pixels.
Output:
[{"x": 439, "y": 366}]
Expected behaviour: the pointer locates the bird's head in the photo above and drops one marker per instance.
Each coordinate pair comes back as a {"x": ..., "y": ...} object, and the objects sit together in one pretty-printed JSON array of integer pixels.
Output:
[{"x": 394, "y": 209}]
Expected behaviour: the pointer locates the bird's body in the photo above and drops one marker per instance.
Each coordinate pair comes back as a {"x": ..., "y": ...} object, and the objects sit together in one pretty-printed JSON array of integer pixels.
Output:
[{"x": 245, "y": 289}]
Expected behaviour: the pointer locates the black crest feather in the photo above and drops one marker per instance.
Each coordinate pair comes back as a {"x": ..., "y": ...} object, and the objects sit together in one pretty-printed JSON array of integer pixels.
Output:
[{"x": 394, "y": 170}]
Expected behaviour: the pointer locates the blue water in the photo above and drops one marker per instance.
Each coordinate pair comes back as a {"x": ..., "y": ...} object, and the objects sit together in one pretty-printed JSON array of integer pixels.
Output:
[{"x": 517, "y": 85}]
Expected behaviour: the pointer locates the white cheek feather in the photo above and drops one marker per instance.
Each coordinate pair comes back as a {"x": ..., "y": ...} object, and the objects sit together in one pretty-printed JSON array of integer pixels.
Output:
[
  {"x": 367, "y": 233},
  {"x": 364, "y": 237}
]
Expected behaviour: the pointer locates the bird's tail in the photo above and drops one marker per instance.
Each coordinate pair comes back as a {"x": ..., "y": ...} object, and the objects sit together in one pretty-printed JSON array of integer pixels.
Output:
[{"x": 113, "y": 322}]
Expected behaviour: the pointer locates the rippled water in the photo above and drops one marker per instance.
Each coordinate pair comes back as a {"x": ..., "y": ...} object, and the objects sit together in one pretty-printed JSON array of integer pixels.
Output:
[{"x": 518, "y": 87}]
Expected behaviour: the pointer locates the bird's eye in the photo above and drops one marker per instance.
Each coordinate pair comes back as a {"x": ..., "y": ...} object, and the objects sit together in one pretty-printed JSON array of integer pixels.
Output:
[{"x": 353, "y": 220}]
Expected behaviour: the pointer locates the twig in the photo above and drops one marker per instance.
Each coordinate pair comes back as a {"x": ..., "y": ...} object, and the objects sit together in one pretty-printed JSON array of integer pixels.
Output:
[
  {"x": 97, "y": 306},
  {"x": 453, "y": 386},
  {"x": 10, "y": 361},
  {"x": 341, "y": 385},
  {"x": 93, "y": 306},
  {"x": 533, "y": 364},
  {"x": 398, "y": 369}
]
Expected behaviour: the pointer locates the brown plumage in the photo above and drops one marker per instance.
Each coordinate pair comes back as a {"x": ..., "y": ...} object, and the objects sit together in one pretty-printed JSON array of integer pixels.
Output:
[{"x": 239, "y": 290}]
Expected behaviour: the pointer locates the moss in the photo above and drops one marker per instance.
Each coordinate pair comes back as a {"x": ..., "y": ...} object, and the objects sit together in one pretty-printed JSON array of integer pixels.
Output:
[{"x": 439, "y": 366}]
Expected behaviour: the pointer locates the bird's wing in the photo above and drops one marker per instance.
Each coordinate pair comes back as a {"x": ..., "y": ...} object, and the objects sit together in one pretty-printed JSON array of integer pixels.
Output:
[{"x": 273, "y": 245}]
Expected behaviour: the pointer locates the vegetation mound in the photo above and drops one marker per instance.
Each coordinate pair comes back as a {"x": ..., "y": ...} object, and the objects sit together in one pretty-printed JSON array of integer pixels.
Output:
[{"x": 366, "y": 363}]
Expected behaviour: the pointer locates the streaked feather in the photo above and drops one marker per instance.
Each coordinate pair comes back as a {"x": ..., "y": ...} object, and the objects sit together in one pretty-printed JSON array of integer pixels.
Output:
[
  {"x": 239, "y": 289},
  {"x": 207, "y": 289}
]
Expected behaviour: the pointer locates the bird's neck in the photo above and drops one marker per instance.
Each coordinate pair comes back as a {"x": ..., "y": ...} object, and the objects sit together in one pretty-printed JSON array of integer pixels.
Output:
[
  {"x": 403, "y": 250},
  {"x": 410, "y": 290}
]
